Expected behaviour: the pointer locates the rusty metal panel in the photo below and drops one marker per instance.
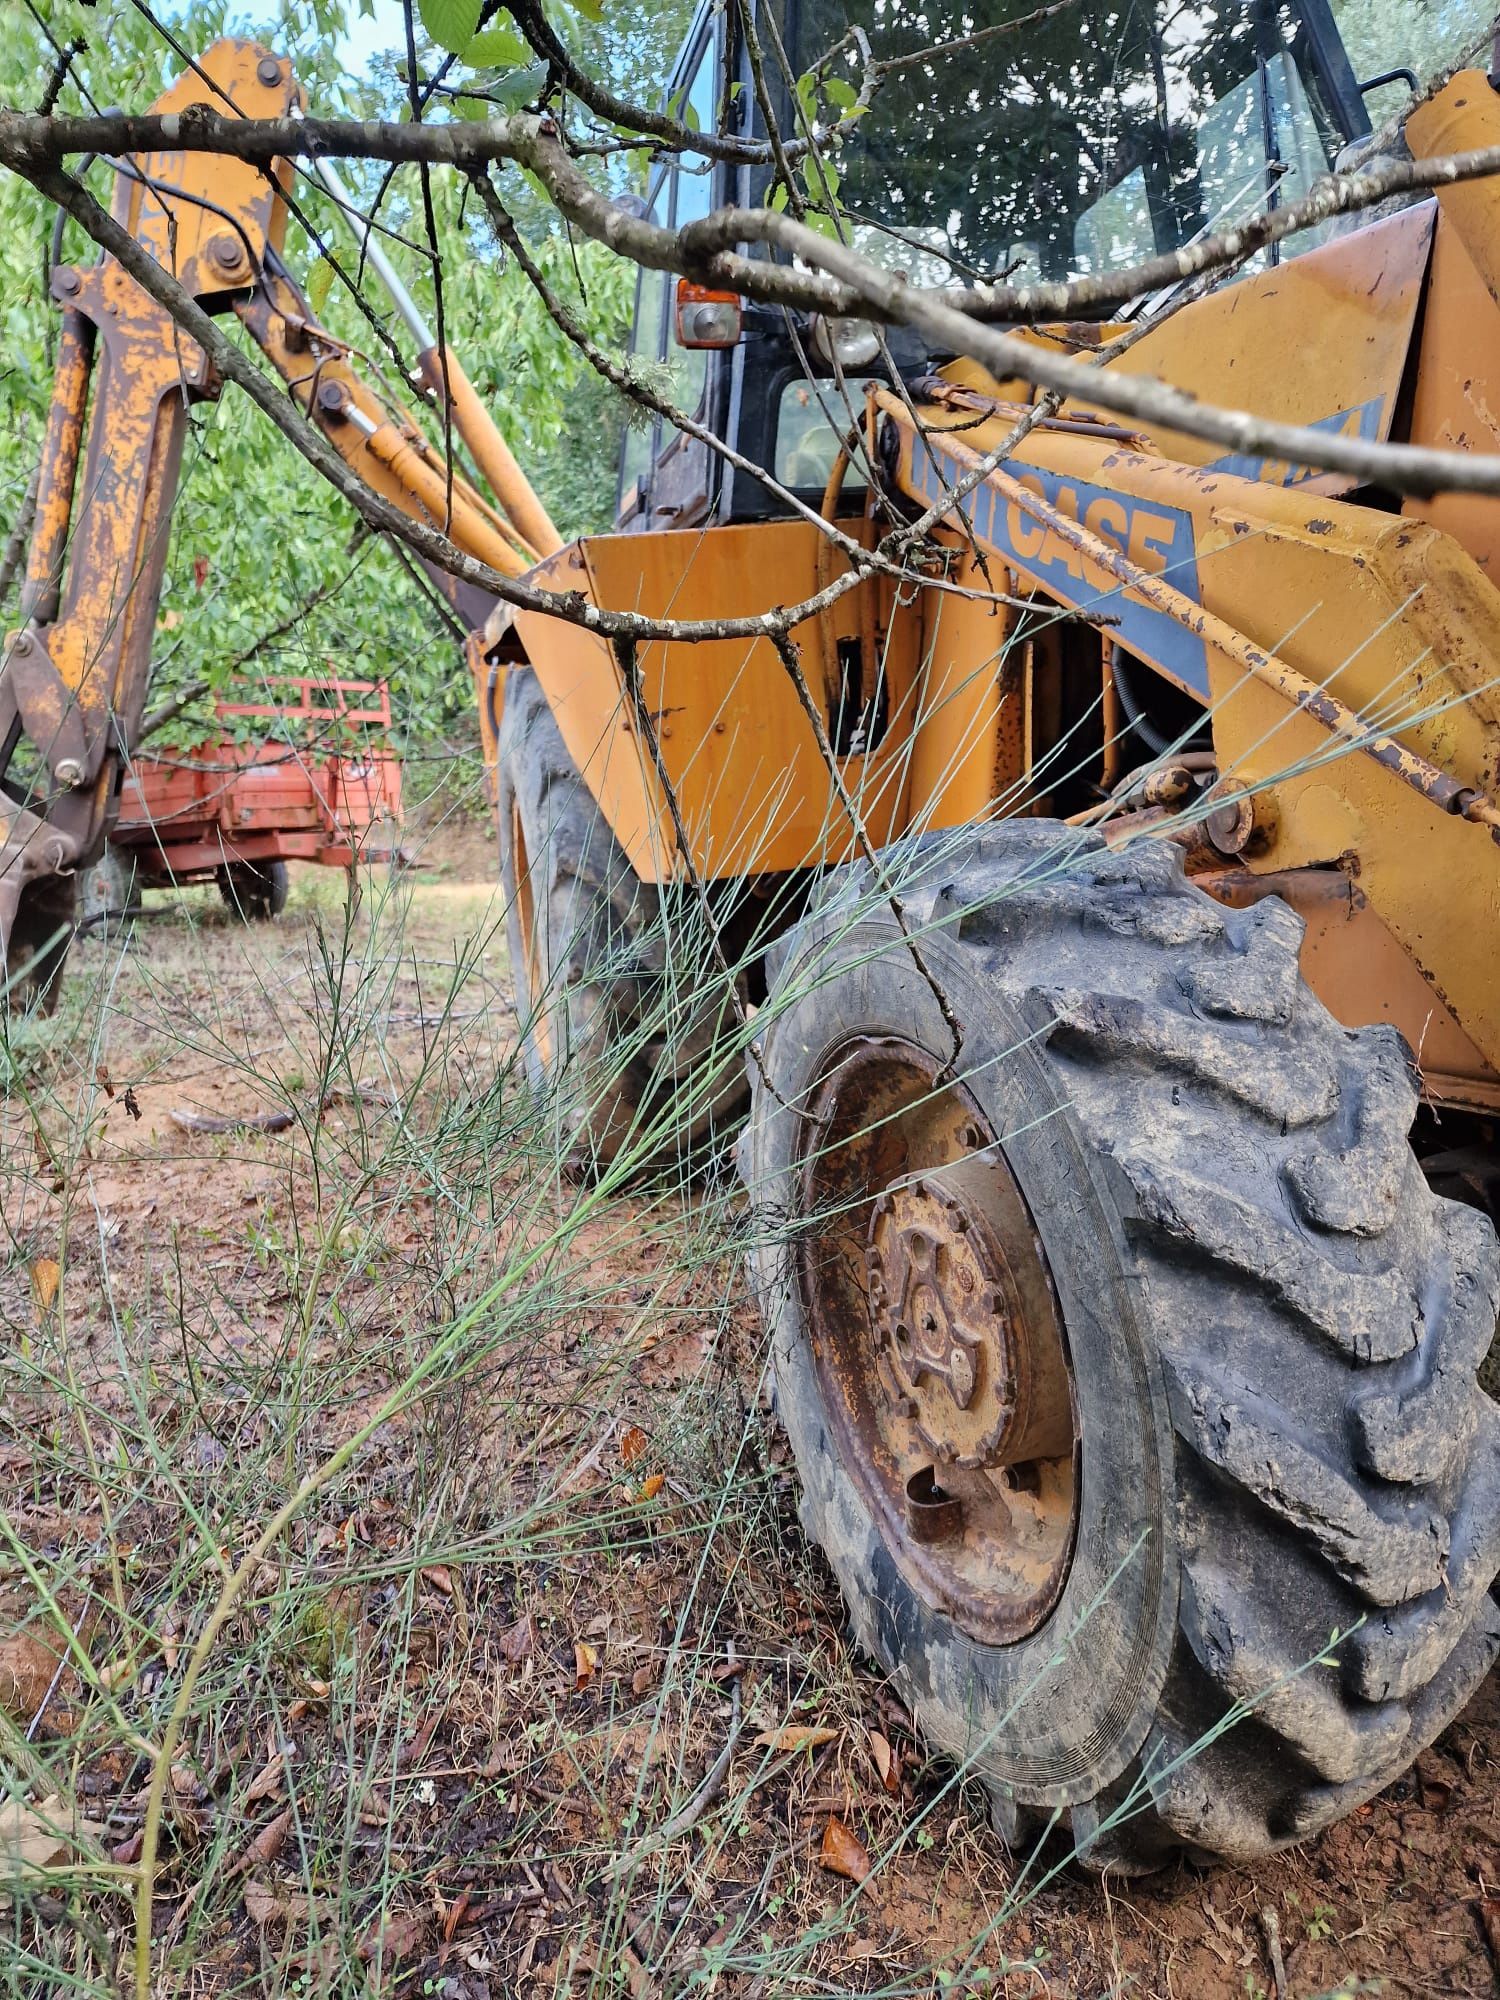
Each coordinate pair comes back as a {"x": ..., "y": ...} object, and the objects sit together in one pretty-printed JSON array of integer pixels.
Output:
[
  {"x": 968, "y": 747},
  {"x": 1321, "y": 340},
  {"x": 751, "y": 785},
  {"x": 1391, "y": 617},
  {"x": 259, "y": 84},
  {"x": 1464, "y": 116},
  {"x": 1456, "y": 399}
]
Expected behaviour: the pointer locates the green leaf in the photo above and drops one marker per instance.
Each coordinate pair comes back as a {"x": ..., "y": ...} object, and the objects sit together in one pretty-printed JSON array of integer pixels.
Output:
[
  {"x": 516, "y": 89},
  {"x": 451, "y": 23},
  {"x": 777, "y": 197},
  {"x": 591, "y": 10},
  {"x": 498, "y": 47},
  {"x": 319, "y": 283},
  {"x": 841, "y": 93},
  {"x": 822, "y": 179}
]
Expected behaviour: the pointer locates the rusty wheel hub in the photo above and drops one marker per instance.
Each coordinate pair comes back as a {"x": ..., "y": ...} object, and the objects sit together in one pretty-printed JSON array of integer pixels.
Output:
[
  {"x": 938, "y": 1340},
  {"x": 954, "y": 1347}
]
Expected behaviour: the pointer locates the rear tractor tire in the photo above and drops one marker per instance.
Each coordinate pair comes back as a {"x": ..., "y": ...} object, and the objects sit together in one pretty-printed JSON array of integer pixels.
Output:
[
  {"x": 254, "y": 891},
  {"x": 40, "y": 939},
  {"x": 624, "y": 1016},
  {"x": 1129, "y": 1364}
]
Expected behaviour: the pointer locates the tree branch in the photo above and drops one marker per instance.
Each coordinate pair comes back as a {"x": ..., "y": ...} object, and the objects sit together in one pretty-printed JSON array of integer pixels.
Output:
[
  {"x": 28, "y": 142},
  {"x": 377, "y": 512}
]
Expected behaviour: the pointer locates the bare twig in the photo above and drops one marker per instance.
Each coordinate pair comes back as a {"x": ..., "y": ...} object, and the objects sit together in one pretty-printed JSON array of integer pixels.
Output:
[
  {"x": 838, "y": 280},
  {"x": 706, "y": 1795},
  {"x": 20, "y": 532}
]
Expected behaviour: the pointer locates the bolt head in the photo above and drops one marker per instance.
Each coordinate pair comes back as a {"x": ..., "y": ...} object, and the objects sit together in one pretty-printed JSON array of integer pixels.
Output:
[
  {"x": 66, "y": 280},
  {"x": 69, "y": 772},
  {"x": 268, "y": 71}
]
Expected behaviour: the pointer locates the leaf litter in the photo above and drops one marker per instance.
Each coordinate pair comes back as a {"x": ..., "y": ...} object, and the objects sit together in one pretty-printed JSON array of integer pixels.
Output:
[{"x": 498, "y": 1687}]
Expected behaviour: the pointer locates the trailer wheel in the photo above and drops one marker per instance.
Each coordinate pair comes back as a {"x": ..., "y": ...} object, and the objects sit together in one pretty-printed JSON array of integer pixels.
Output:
[
  {"x": 110, "y": 894},
  {"x": 40, "y": 939},
  {"x": 1129, "y": 1365},
  {"x": 254, "y": 891},
  {"x": 619, "y": 1014}
]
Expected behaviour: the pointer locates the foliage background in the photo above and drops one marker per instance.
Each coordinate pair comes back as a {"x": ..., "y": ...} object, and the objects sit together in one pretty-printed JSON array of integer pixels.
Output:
[{"x": 256, "y": 531}]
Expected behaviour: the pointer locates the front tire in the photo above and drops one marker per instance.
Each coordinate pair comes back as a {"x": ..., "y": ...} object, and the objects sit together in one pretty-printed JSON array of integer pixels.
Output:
[
  {"x": 1272, "y": 1329},
  {"x": 623, "y": 1012}
]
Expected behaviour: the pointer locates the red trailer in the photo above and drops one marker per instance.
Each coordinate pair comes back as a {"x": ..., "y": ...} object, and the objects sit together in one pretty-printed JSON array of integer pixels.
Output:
[{"x": 237, "y": 813}]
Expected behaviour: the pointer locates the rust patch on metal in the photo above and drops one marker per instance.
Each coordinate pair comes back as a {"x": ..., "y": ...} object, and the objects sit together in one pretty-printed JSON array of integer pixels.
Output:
[{"x": 938, "y": 1339}]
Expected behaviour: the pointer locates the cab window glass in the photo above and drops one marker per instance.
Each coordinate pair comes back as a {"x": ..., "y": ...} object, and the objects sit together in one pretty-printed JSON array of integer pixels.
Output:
[
  {"x": 645, "y": 345},
  {"x": 1116, "y": 230},
  {"x": 812, "y": 420},
  {"x": 1261, "y": 144},
  {"x": 692, "y": 200},
  {"x": 1076, "y": 148},
  {"x": 1426, "y": 36}
]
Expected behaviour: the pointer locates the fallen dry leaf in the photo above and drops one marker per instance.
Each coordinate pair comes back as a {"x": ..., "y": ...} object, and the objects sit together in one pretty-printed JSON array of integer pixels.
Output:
[
  {"x": 1489, "y": 1916},
  {"x": 116, "y": 1674},
  {"x": 46, "y": 1275},
  {"x": 266, "y": 1781},
  {"x": 796, "y": 1736},
  {"x": 264, "y": 1906},
  {"x": 643, "y": 1679},
  {"x": 28, "y": 1665},
  {"x": 128, "y": 1851},
  {"x": 651, "y": 1486},
  {"x": 1434, "y": 1785},
  {"x": 518, "y": 1641},
  {"x": 43, "y": 1836},
  {"x": 398, "y": 1935},
  {"x": 633, "y": 1446},
  {"x": 438, "y": 1577},
  {"x": 269, "y": 1842},
  {"x": 884, "y": 1758},
  {"x": 585, "y": 1660},
  {"x": 841, "y": 1853}
]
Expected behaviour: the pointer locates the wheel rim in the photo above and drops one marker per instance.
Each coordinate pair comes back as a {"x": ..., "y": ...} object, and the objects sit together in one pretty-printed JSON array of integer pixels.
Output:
[
  {"x": 937, "y": 1339},
  {"x": 541, "y": 1029}
]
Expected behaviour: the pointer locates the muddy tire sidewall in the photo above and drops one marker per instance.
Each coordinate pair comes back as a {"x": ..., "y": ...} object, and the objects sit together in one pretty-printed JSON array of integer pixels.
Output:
[{"x": 1059, "y": 1715}]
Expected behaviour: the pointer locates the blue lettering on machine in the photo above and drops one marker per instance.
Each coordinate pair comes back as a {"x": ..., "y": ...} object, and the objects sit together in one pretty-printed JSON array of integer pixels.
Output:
[{"x": 1134, "y": 527}]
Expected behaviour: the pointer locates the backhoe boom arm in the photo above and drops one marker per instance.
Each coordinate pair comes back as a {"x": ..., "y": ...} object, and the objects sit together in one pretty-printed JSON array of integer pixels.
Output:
[{"x": 74, "y": 677}]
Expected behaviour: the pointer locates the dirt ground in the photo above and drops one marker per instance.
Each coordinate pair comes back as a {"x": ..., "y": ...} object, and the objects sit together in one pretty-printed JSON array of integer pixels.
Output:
[{"x": 539, "y": 1689}]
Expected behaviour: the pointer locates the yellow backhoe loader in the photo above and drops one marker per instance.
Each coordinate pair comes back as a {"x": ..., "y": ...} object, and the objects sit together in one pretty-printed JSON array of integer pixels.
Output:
[{"x": 1107, "y": 902}]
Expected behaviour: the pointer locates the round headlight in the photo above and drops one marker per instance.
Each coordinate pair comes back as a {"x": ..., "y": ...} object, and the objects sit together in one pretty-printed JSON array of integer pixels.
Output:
[{"x": 852, "y": 343}]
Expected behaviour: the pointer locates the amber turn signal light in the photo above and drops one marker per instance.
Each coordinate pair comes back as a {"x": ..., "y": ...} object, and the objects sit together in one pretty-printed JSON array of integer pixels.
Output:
[{"x": 706, "y": 318}]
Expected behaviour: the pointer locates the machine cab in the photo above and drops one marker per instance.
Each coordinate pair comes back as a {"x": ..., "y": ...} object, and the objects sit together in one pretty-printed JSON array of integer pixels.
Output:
[{"x": 1077, "y": 144}]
